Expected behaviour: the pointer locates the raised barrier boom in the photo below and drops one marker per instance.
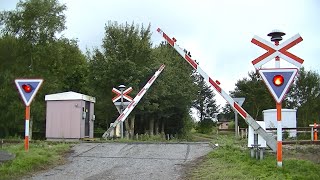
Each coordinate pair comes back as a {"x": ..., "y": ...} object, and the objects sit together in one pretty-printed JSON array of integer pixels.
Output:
[
  {"x": 134, "y": 102},
  {"x": 271, "y": 142}
]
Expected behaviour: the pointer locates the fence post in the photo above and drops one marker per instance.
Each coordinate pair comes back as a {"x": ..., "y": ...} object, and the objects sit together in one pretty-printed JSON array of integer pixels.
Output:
[
  {"x": 315, "y": 132},
  {"x": 311, "y": 133}
]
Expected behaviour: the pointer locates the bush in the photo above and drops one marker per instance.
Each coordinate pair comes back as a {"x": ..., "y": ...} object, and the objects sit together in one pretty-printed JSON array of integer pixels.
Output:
[
  {"x": 205, "y": 126},
  {"x": 286, "y": 134},
  {"x": 303, "y": 136},
  {"x": 231, "y": 125}
]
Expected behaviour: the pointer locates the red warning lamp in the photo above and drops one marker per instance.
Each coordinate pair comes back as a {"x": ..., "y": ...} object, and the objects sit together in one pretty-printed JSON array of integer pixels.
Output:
[
  {"x": 27, "y": 88},
  {"x": 278, "y": 80}
]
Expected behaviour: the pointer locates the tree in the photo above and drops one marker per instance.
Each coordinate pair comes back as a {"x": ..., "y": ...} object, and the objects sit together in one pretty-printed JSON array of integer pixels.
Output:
[
  {"x": 227, "y": 112},
  {"x": 125, "y": 59},
  {"x": 35, "y": 21},
  {"x": 176, "y": 91},
  {"x": 257, "y": 97},
  {"x": 128, "y": 58},
  {"x": 256, "y": 93},
  {"x": 304, "y": 96},
  {"x": 10, "y": 104},
  {"x": 31, "y": 50},
  {"x": 205, "y": 103}
]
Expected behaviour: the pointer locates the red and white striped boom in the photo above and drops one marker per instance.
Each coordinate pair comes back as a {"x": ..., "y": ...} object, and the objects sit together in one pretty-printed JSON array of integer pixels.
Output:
[
  {"x": 271, "y": 142},
  {"x": 123, "y": 116}
]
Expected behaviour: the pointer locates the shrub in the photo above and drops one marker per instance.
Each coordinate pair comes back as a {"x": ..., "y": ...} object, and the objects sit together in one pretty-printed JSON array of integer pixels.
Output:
[{"x": 205, "y": 126}]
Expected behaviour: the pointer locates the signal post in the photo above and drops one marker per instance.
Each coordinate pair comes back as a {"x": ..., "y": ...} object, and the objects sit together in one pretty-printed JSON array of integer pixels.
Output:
[
  {"x": 119, "y": 102},
  {"x": 27, "y": 88},
  {"x": 277, "y": 80}
]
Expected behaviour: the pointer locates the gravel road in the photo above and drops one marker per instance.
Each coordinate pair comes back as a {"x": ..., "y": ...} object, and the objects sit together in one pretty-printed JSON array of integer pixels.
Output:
[{"x": 134, "y": 161}]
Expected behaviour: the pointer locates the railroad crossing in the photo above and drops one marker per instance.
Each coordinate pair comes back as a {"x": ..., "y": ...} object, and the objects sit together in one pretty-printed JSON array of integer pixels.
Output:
[{"x": 271, "y": 142}]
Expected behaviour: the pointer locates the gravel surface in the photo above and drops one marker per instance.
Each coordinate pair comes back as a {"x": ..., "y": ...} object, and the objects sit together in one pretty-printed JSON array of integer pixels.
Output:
[
  {"x": 134, "y": 161},
  {"x": 6, "y": 156}
]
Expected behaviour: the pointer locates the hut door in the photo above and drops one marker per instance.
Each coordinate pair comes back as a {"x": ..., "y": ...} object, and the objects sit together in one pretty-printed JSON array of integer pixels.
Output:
[{"x": 87, "y": 119}]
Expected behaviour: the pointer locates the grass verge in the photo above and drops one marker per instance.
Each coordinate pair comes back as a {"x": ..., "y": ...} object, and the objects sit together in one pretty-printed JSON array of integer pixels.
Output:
[
  {"x": 41, "y": 156},
  {"x": 231, "y": 160}
]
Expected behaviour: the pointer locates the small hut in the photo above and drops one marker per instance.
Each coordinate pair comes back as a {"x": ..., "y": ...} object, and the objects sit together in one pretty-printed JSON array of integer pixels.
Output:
[{"x": 69, "y": 115}]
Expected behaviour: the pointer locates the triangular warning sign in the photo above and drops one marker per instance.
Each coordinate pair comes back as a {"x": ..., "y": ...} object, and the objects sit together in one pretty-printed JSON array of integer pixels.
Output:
[
  {"x": 239, "y": 100},
  {"x": 28, "y": 88},
  {"x": 278, "y": 91},
  {"x": 118, "y": 105}
]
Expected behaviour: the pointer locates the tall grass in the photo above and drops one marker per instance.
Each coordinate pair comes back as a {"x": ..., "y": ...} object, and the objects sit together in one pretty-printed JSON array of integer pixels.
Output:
[
  {"x": 41, "y": 155},
  {"x": 231, "y": 160}
]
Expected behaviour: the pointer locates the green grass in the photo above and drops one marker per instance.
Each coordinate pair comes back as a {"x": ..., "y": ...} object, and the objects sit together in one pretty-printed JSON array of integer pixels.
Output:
[
  {"x": 231, "y": 160},
  {"x": 196, "y": 137},
  {"x": 41, "y": 155}
]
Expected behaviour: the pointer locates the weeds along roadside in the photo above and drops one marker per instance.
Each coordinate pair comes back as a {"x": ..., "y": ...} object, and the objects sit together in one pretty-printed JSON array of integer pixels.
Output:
[
  {"x": 41, "y": 156},
  {"x": 231, "y": 160}
]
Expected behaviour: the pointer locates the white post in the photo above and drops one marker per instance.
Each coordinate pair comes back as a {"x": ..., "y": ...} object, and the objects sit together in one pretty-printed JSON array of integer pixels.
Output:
[
  {"x": 121, "y": 110},
  {"x": 236, "y": 124}
]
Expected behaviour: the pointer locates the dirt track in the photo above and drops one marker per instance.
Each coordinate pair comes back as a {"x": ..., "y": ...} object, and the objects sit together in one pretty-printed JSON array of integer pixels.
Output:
[{"x": 126, "y": 161}]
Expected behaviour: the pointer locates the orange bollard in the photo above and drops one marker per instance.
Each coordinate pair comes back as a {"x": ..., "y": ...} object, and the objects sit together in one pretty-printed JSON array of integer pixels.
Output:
[{"x": 315, "y": 132}]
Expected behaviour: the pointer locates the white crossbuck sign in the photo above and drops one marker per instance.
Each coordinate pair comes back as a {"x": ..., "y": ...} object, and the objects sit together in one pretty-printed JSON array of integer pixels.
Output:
[{"x": 274, "y": 51}]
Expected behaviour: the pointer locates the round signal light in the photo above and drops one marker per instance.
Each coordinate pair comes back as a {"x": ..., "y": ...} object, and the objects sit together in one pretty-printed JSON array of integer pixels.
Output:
[
  {"x": 278, "y": 80},
  {"x": 27, "y": 88}
]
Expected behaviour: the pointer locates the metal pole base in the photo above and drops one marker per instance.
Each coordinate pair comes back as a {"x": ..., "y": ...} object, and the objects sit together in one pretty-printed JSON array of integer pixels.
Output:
[
  {"x": 261, "y": 153},
  {"x": 252, "y": 152}
]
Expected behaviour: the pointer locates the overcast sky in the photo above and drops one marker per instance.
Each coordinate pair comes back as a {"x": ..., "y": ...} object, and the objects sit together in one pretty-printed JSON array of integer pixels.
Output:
[{"x": 218, "y": 33}]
